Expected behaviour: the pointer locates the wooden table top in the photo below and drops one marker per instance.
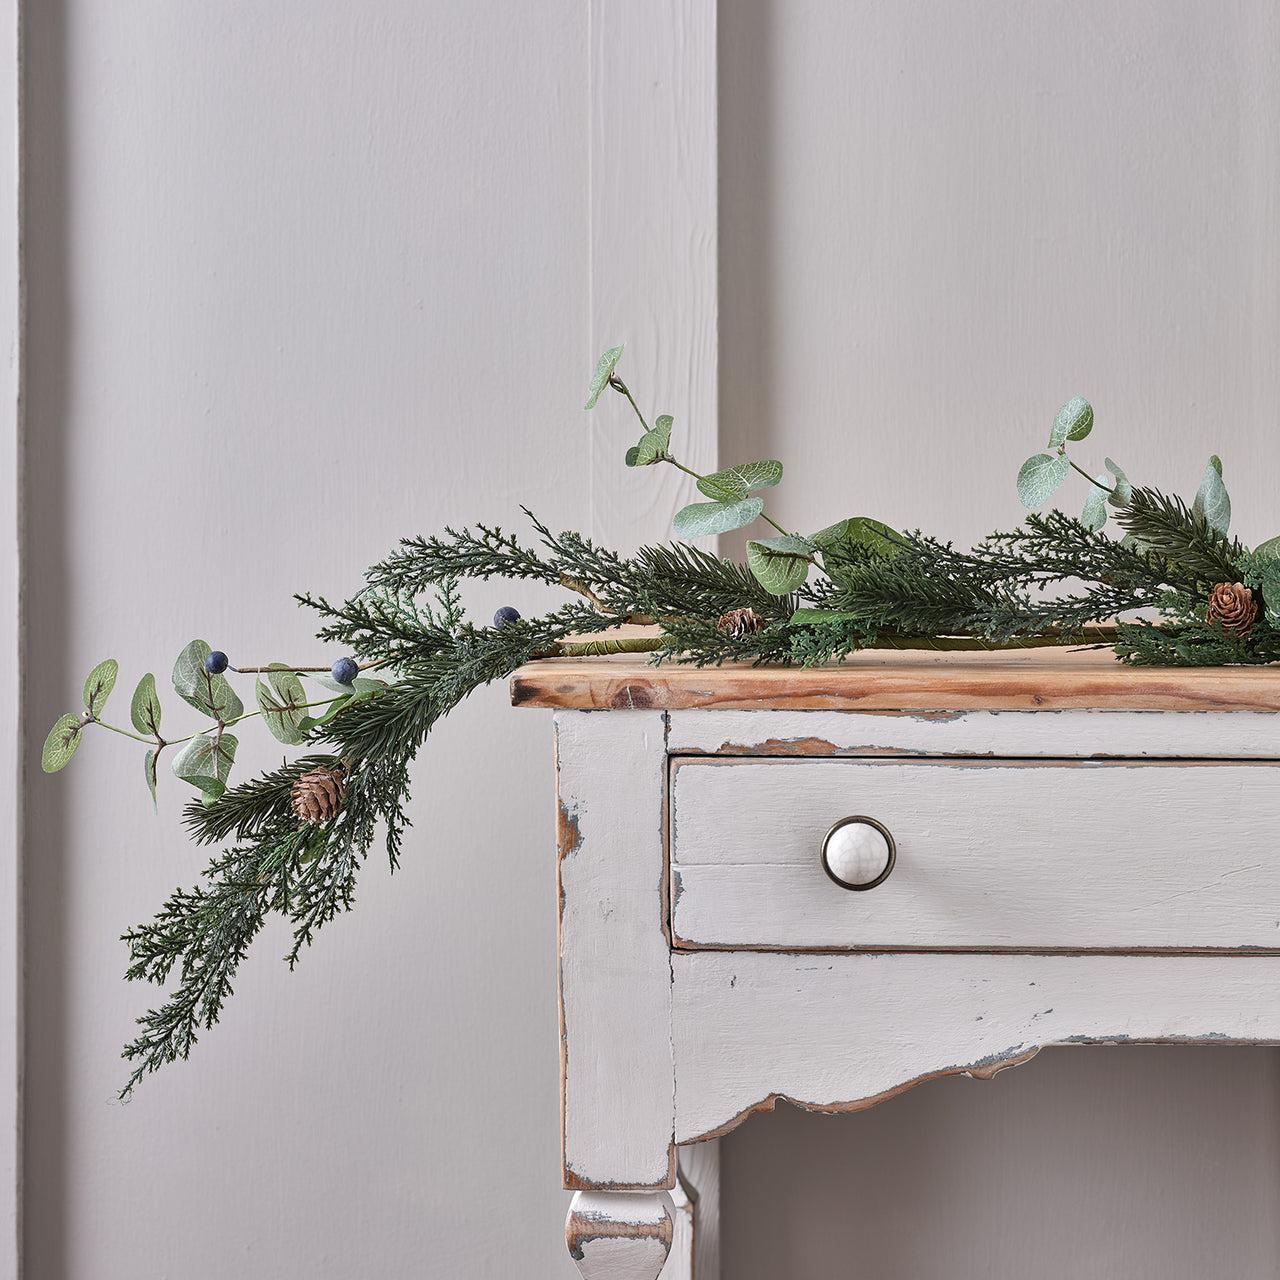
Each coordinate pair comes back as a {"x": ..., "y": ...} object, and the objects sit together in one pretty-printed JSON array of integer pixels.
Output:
[{"x": 885, "y": 680}]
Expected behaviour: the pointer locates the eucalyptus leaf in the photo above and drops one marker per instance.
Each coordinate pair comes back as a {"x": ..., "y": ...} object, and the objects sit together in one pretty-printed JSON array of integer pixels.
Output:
[
  {"x": 1122, "y": 490},
  {"x": 780, "y": 564},
  {"x": 1073, "y": 421},
  {"x": 98, "y": 685},
  {"x": 144, "y": 711},
  {"x": 1270, "y": 549},
  {"x": 653, "y": 444},
  {"x": 860, "y": 531},
  {"x": 208, "y": 693},
  {"x": 61, "y": 743},
  {"x": 149, "y": 769},
  {"x": 1094, "y": 515},
  {"x": 632, "y": 454},
  {"x": 311, "y": 722},
  {"x": 604, "y": 371},
  {"x": 206, "y": 761},
  {"x": 1211, "y": 500},
  {"x": 1040, "y": 477},
  {"x": 361, "y": 684},
  {"x": 281, "y": 700},
  {"x": 737, "y": 482},
  {"x": 701, "y": 519}
]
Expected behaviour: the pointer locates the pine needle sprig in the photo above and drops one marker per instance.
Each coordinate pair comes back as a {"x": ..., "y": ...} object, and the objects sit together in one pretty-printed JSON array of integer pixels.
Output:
[
  {"x": 925, "y": 588},
  {"x": 1197, "y": 555},
  {"x": 246, "y": 810},
  {"x": 679, "y": 579}
]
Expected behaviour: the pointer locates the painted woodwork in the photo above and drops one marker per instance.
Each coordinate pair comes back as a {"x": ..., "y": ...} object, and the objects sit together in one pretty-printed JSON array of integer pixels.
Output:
[
  {"x": 620, "y": 1235},
  {"x": 1096, "y": 871}
]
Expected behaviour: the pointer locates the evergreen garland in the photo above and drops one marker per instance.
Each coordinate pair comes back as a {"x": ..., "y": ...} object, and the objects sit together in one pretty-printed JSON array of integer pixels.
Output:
[{"x": 1057, "y": 579}]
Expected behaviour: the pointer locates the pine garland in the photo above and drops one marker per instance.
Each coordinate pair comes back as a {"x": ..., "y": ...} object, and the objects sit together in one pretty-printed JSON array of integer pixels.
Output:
[{"x": 804, "y": 600}]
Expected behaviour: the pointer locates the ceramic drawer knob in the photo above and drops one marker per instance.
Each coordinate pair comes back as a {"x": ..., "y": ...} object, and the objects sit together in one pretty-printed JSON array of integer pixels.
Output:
[{"x": 858, "y": 853}]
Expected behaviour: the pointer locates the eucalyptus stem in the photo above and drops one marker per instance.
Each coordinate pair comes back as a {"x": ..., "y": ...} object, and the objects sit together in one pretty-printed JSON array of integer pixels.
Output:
[
  {"x": 618, "y": 385},
  {"x": 124, "y": 733},
  {"x": 1086, "y": 475},
  {"x": 218, "y": 725}
]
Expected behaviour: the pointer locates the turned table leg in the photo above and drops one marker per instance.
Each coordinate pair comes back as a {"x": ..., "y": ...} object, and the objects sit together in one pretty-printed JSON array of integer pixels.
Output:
[{"x": 620, "y": 1235}]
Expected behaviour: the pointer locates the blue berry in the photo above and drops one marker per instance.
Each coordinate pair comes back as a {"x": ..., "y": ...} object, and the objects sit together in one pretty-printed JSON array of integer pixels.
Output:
[
  {"x": 505, "y": 616},
  {"x": 215, "y": 663},
  {"x": 345, "y": 670}
]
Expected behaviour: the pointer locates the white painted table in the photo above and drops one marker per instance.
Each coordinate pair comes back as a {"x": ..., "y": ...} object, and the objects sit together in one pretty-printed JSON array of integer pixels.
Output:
[{"x": 1084, "y": 853}]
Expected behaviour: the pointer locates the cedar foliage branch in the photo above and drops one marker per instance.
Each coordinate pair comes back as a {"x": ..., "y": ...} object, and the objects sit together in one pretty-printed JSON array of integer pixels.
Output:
[{"x": 817, "y": 598}]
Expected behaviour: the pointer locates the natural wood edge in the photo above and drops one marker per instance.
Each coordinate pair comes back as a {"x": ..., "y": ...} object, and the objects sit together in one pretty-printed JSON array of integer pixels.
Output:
[{"x": 908, "y": 683}]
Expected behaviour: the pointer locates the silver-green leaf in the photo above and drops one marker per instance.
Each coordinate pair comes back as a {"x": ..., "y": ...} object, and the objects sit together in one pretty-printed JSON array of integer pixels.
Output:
[
  {"x": 311, "y": 722},
  {"x": 98, "y": 685},
  {"x": 1040, "y": 478},
  {"x": 206, "y": 761},
  {"x": 653, "y": 444},
  {"x": 1269, "y": 549},
  {"x": 702, "y": 519},
  {"x": 745, "y": 478},
  {"x": 144, "y": 711},
  {"x": 1094, "y": 515},
  {"x": 61, "y": 743},
  {"x": 149, "y": 769},
  {"x": 1121, "y": 489},
  {"x": 1074, "y": 421},
  {"x": 861, "y": 531},
  {"x": 1211, "y": 500},
  {"x": 604, "y": 371},
  {"x": 282, "y": 700},
  {"x": 780, "y": 564},
  {"x": 208, "y": 693}
]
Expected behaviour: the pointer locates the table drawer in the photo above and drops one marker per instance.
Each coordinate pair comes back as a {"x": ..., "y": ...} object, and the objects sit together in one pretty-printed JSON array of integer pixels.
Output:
[{"x": 1004, "y": 854}]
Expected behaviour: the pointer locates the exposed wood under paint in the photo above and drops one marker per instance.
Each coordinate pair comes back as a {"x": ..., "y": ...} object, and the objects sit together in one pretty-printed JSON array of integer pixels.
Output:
[{"x": 1034, "y": 680}]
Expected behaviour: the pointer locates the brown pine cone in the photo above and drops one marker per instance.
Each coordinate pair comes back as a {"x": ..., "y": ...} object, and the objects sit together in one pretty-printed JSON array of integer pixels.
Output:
[
  {"x": 317, "y": 796},
  {"x": 740, "y": 622},
  {"x": 1233, "y": 605}
]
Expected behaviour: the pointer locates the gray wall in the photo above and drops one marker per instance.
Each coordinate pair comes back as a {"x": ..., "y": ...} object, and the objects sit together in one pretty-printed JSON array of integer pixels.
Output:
[
  {"x": 306, "y": 277},
  {"x": 938, "y": 222}
]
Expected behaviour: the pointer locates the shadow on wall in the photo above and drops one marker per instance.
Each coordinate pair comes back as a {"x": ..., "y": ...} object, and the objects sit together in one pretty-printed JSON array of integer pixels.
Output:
[
  {"x": 1118, "y": 1163},
  {"x": 48, "y": 618}
]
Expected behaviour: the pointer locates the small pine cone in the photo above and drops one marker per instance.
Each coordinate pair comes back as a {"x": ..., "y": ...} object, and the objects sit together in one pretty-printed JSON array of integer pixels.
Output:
[
  {"x": 740, "y": 622},
  {"x": 317, "y": 796},
  {"x": 1232, "y": 604}
]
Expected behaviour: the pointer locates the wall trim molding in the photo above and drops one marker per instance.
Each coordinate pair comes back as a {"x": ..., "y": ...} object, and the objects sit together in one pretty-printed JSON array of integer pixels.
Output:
[{"x": 653, "y": 270}]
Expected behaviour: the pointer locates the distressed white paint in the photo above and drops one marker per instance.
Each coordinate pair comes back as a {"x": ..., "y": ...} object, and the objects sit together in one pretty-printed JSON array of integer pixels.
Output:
[
  {"x": 615, "y": 972},
  {"x": 1233, "y": 735},
  {"x": 839, "y": 1030},
  {"x": 619, "y": 1235},
  {"x": 1002, "y": 854},
  {"x": 695, "y": 1249},
  {"x": 654, "y": 265}
]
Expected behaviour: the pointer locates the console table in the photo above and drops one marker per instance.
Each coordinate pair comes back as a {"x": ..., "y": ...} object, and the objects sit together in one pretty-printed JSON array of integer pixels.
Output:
[{"x": 829, "y": 885}]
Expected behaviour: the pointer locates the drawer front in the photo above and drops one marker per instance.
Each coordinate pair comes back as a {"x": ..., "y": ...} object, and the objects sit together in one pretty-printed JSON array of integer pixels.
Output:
[{"x": 1019, "y": 855}]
